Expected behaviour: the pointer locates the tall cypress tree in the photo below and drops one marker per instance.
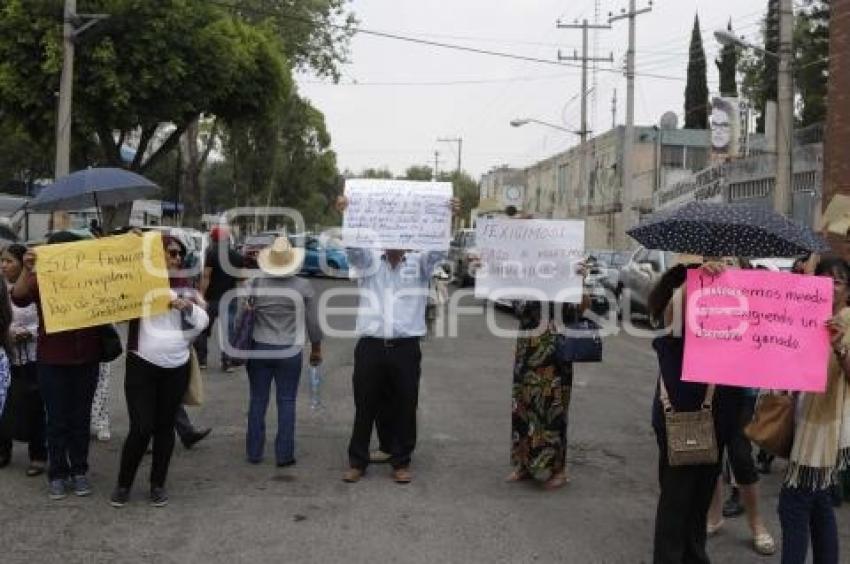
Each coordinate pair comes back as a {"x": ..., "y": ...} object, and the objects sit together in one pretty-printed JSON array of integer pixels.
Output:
[
  {"x": 770, "y": 66},
  {"x": 696, "y": 90},
  {"x": 727, "y": 67}
]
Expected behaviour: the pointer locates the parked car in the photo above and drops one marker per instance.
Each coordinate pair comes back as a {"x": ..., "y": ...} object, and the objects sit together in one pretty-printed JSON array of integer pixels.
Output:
[
  {"x": 639, "y": 276},
  {"x": 322, "y": 255},
  {"x": 608, "y": 264},
  {"x": 462, "y": 252},
  {"x": 252, "y": 245}
]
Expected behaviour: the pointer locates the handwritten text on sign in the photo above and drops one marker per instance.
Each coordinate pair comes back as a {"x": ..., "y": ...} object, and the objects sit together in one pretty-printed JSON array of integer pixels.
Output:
[
  {"x": 529, "y": 259},
  {"x": 757, "y": 329},
  {"x": 398, "y": 214},
  {"x": 101, "y": 281}
]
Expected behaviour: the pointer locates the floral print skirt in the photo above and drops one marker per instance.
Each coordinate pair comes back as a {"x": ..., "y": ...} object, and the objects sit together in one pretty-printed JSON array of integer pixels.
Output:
[{"x": 541, "y": 400}]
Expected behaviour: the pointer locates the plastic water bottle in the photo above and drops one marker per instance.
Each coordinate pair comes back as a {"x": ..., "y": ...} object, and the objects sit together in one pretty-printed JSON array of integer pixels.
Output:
[{"x": 314, "y": 373}]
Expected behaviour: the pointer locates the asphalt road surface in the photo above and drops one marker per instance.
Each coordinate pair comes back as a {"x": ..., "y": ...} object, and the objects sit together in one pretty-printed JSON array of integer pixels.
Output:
[{"x": 457, "y": 510}]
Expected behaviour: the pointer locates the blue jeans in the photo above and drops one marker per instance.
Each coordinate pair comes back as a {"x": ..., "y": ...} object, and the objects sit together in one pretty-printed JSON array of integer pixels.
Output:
[
  {"x": 803, "y": 513},
  {"x": 285, "y": 372},
  {"x": 67, "y": 392}
]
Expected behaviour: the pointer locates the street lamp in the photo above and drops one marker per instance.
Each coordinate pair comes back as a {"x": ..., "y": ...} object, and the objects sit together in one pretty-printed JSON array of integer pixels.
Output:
[
  {"x": 782, "y": 191},
  {"x": 519, "y": 122}
]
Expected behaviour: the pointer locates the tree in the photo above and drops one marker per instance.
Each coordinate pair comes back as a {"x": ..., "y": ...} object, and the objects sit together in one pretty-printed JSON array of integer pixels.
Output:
[
  {"x": 811, "y": 67},
  {"x": 811, "y": 61},
  {"x": 419, "y": 172},
  {"x": 373, "y": 173},
  {"x": 760, "y": 71},
  {"x": 696, "y": 89},
  {"x": 727, "y": 67},
  {"x": 147, "y": 75}
]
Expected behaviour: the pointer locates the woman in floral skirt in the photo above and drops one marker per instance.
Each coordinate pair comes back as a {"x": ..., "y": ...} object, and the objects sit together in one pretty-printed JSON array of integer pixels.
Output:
[{"x": 541, "y": 396}]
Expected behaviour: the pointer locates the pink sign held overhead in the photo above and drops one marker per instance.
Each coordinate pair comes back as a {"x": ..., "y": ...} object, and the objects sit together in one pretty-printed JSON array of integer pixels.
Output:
[{"x": 757, "y": 329}]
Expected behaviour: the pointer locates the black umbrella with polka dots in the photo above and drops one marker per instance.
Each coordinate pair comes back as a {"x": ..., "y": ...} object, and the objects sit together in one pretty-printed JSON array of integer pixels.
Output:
[{"x": 726, "y": 230}]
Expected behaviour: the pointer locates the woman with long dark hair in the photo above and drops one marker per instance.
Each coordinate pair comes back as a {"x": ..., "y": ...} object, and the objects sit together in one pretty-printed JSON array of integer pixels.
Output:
[
  {"x": 24, "y": 417},
  {"x": 67, "y": 377},
  {"x": 686, "y": 491},
  {"x": 821, "y": 448},
  {"x": 158, "y": 365}
]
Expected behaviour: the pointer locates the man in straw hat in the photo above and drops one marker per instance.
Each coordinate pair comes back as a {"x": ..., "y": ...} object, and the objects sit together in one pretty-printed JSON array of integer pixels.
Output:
[{"x": 390, "y": 322}]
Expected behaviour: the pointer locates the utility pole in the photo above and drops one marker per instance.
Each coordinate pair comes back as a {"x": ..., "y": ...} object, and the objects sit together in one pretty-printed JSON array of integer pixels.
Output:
[
  {"x": 836, "y": 165},
  {"x": 584, "y": 26},
  {"x": 459, "y": 142},
  {"x": 782, "y": 198},
  {"x": 614, "y": 110},
  {"x": 70, "y": 32},
  {"x": 629, "y": 142},
  {"x": 436, "y": 165}
]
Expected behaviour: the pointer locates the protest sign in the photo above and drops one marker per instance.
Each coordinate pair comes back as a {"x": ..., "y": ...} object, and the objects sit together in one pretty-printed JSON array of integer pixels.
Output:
[
  {"x": 398, "y": 214},
  {"x": 99, "y": 281},
  {"x": 757, "y": 329},
  {"x": 529, "y": 258}
]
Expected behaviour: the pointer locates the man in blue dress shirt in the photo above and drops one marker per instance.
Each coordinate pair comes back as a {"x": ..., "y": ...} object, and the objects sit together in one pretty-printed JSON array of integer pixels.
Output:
[{"x": 390, "y": 321}]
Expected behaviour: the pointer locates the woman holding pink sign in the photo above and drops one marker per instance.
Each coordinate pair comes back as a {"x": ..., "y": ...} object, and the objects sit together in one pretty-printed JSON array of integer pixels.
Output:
[{"x": 821, "y": 449}]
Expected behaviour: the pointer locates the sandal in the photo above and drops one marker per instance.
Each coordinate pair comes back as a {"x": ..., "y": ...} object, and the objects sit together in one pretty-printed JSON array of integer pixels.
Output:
[
  {"x": 712, "y": 529},
  {"x": 35, "y": 469},
  {"x": 763, "y": 544},
  {"x": 518, "y": 475},
  {"x": 558, "y": 480}
]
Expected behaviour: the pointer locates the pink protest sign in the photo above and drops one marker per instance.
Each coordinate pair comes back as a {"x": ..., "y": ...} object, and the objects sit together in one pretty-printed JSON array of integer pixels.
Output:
[{"x": 757, "y": 329}]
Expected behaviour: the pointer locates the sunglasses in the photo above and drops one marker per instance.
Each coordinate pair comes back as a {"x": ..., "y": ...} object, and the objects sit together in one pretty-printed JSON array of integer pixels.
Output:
[{"x": 175, "y": 253}]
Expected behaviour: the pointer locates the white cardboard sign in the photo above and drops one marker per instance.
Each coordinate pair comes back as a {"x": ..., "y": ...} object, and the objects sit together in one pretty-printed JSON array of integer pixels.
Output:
[
  {"x": 397, "y": 214},
  {"x": 527, "y": 259}
]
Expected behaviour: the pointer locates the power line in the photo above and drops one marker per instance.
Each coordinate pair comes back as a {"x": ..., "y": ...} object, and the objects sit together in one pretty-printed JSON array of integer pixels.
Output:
[
  {"x": 439, "y": 44},
  {"x": 356, "y": 82}
]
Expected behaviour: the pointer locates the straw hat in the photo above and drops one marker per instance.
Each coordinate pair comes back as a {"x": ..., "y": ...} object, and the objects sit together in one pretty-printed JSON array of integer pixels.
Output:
[{"x": 280, "y": 258}]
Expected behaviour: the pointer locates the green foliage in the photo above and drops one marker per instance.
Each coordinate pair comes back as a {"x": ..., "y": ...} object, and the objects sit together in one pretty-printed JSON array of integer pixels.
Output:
[
  {"x": 371, "y": 173},
  {"x": 419, "y": 172},
  {"x": 696, "y": 89},
  {"x": 811, "y": 68},
  {"x": 727, "y": 67},
  {"x": 811, "y": 52},
  {"x": 315, "y": 33}
]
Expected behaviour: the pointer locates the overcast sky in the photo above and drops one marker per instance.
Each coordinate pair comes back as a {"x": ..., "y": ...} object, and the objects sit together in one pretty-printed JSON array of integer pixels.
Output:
[{"x": 407, "y": 95}]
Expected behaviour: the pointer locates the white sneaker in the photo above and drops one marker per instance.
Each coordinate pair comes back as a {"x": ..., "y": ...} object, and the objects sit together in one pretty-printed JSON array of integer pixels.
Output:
[{"x": 103, "y": 435}]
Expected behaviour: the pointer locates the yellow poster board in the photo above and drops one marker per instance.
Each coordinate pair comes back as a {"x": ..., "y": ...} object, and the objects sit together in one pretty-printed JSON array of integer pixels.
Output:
[{"x": 101, "y": 281}]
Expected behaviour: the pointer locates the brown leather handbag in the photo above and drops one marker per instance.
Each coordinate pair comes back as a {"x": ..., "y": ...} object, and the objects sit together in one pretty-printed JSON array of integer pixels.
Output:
[
  {"x": 690, "y": 434},
  {"x": 772, "y": 426}
]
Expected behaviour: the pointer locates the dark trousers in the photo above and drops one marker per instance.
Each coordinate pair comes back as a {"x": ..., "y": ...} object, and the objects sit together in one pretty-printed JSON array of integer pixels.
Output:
[
  {"x": 739, "y": 449},
  {"x": 225, "y": 330},
  {"x": 67, "y": 391},
  {"x": 386, "y": 383},
  {"x": 153, "y": 396},
  {"x": 23, "y": 418},
  {"x": 806, "y": 514},
  {"x": 680, "y": 520}
]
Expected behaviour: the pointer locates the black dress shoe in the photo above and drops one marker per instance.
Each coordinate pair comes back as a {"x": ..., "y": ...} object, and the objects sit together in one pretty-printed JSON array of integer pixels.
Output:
[
  {"x": 286, "y": 464},
  {"x": 194, "y": 437}
]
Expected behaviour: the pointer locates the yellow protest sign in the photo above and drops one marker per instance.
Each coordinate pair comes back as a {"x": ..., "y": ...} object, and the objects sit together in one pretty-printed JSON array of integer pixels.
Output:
[{"x": 101, "y": 281}]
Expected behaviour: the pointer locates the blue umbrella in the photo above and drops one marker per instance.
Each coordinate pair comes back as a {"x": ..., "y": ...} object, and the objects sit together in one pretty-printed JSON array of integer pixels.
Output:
[
  {"x": 726, "y": 230},
  {"x": 93, "y": 187}
]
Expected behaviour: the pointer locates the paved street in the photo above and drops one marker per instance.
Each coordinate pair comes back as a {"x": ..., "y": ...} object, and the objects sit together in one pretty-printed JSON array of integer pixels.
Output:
[{"x": 458, "y": 509}]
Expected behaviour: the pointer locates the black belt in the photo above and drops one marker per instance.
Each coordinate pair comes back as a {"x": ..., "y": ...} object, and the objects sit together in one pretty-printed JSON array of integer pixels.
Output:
[{"x": 392, "y": 343}]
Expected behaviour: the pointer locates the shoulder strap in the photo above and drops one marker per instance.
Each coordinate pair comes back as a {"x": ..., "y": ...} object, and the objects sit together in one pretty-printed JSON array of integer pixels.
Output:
[{"x": 665, "y": 398}]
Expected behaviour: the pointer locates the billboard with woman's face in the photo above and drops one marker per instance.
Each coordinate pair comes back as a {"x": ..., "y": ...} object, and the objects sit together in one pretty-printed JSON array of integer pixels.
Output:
[{"x": 725, "y": 127}]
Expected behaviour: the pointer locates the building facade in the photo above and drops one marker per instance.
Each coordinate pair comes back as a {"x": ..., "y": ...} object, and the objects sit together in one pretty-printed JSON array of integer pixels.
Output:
[
  {"x": 752, "y": 180},
  {"x": 585, "y": 182}
]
